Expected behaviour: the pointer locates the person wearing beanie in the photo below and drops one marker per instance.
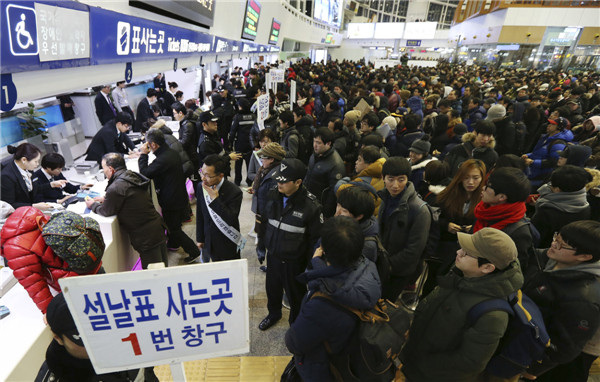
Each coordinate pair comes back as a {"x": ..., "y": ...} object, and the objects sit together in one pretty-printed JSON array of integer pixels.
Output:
[
  {"x": 418, "y": 157},
  {"x": 66, "y": 357},
  {"x": 561, "y": 201},
  {"x": 542, "y": 159},
  {"x": 485, "y": 268},
  {"x": 270, "y": 156},
  {"x": 576, "y": 155},
  {"x": 476, "y": 145}
]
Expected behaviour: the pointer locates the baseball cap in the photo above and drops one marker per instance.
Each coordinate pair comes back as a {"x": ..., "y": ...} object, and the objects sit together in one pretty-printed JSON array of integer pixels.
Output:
[
  {"x": 290, "y": 169},
  {"x": 208, "y": 116},
  {"x": 60, "y": 319},
  {"x": 561, "y": 122},
  {"x": 490, "y": 243}
]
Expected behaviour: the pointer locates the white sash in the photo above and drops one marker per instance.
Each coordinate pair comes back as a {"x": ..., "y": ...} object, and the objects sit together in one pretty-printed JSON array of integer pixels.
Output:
[{"x": 231, "y": 233}]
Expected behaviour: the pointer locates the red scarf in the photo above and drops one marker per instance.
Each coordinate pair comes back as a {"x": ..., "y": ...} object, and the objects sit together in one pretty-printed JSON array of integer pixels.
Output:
[{"x": 498, "y": 216}]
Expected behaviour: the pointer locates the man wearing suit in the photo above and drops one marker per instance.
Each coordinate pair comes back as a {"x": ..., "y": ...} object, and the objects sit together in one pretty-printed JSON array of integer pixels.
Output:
[
  {"x": 105, "y": 110},
  {"x": 167, "y": 172},
  {"x": 144, "y": 110},
  {"x": 51, "y": 171},
  {"x": 112, "y": 138},
  {"x": 218, "y": 210}
]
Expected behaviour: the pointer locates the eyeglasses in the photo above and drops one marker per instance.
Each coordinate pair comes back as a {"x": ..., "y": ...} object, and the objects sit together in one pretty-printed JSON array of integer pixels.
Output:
[
  {"x": 560, "y": 244},
  {"x": 206, "y": 176}
]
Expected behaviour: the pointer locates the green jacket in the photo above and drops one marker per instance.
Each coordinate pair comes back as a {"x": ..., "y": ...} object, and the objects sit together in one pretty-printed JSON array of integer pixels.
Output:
[{"x": 440, "y": 346}]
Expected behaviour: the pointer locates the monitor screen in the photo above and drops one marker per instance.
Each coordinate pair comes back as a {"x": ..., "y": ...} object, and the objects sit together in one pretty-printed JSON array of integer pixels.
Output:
[
  {"x": 251, "y": 17},
  {"x": 329, "y": 11},
  {"x": 199, "y": 11},
  {"x": 274, "y": 35}
]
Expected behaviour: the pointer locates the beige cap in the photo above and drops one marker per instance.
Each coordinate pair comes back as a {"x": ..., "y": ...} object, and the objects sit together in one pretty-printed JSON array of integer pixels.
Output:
[{"x": 490, "y": 243}]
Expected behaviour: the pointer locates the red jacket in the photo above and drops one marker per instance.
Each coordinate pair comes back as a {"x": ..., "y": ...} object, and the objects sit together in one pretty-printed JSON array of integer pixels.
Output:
[{"x": 33, "y": 263}]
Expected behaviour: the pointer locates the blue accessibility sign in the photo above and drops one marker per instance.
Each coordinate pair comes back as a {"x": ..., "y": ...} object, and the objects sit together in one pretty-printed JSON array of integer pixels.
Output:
[{"x": 22, "y": 29}]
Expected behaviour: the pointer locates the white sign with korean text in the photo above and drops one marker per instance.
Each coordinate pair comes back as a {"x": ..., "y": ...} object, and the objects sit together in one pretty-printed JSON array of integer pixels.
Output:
[
  {"x": 292, "y": 92},
  {"x": 145, "y": 318},
  {"x": 63, "y": 33},
  {"x": 277, "y": 75},
  {"x": 262, "y": 111}
]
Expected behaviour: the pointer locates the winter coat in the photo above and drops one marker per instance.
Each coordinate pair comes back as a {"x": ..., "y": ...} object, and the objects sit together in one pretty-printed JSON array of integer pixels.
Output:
[
  {"x": 475, "y": 114},
  {"x": 188, "y": 136},
  {"x": 569, "y": 299},
  {"x": 34, "y": 263},
  {"x": 370, "y": 228},
  {"x": 418, "y": 170},
  {"x": 290, "y": 142},
  {"x": 404, "y": 140},
  {"x": 371, "y": 176},
  {"x": 551, "y": 214},
  {"x": 169, "y": 181},
  {"x": 506, "y": 136},
  {"x": 174, "y": 144},
  {"x": 440, "y": 346},
  {"x": 323, "y": 173},
  {"x": 260, "y": 196},
  {"x": 127, "y": 196},
  {"x": 239, "y": 135},
  {"x": 545, "y": 154},
  {"x": 357, "y": 286},
  {"x": 404, "y": 232},
  {"x": 467, "y": 150}
]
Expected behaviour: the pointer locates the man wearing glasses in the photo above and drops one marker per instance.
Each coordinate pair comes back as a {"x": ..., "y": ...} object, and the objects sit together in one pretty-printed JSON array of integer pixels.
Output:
[
  {"x": 217, "y": 213},
  {"x": 567, "y": 291}
]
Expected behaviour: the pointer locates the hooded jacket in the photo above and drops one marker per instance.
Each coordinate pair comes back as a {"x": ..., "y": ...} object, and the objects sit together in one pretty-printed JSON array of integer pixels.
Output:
[
  {"x": 34, "y": 263},
  {"x": 417, "y": 171},
  {"x": 506, "y": 136},
  {"x": 356, "y": 286},
  {"x": 370, "y": 175},
  {"x": 467, "y": 150},
  {"x": 323, "y": 173},
  {"x": 440, "y": 347},
  {"x": 545, "y": 154},
  {"x": 127, "y": 197},
  {"x": 581, "y": 134},
  {"x": 569, "y": 299}
]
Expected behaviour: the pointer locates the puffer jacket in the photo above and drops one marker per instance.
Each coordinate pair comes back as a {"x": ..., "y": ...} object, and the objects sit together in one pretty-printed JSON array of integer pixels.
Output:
[
  {"x": 33, "y": 263},
  {"x": 188, "y": 136},
  {"x": 323, "y": 173},
  {"x": 440, "y": 347},
  {"x": 357, "y": 286},
  {"x": 371, "y": 176},
  {"x": 417, "y": 171},
  {"x": 569, "y": 299},
  {"x": 467, "y": 150},
  {"x": 173, "y": 143},
  {"x": 545, "y": 155}
]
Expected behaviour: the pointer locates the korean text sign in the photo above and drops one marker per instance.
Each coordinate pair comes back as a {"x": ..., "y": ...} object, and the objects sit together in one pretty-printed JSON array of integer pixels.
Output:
[{"x": 138, "y": 319}]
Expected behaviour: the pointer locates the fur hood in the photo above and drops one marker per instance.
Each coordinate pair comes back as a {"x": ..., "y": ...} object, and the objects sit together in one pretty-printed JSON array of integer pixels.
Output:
[
  {"x": 595, "y": 179},
  {"x": 470, "y": 137},
  {"x": 436, "y": 188}
]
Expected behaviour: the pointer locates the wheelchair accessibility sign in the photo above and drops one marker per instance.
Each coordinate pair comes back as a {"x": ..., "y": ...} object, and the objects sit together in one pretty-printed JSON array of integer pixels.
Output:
[{"x": 22, "y": 30}]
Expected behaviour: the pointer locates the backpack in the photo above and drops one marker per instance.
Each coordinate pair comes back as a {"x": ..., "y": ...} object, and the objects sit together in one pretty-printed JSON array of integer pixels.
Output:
[
  {"x": 303, "y": 148},
  {"x": 374, "y": 348},
  {"x": 554, "y": 142},
  {"x": 525, "y": 340},
  {"x": 76, "y": 240},
  {"x": 382, "y": 262},
  {"x": 535, "y": 238},
  {"x": 520, "y": 137},
  {"x": 433, "y": 237}
]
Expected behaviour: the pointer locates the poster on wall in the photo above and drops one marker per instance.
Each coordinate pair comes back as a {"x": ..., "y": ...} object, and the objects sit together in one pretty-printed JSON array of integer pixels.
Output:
[
  {"x": 329, "y": 11},
  {"x": 251, "y": 18}
]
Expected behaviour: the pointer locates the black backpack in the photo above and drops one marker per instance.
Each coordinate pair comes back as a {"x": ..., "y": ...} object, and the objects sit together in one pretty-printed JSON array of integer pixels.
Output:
[
  {"x": 304, "y": 150},
  {"x": 520, "y": 138},
  {"x": 374, "y": 348},
  {"x": 382, "y": 262},
  {"x": 525, "y": 340},
  {"x": 433, "y": 237}
]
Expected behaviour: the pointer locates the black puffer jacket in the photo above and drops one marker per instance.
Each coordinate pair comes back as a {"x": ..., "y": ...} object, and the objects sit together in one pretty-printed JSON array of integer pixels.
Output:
[
  {"x": 174, "y": 144},
  {"x": 127, "y": 197},
  {"x": 569, "y": 299},
  {"x": 292, "y": 231},
  {"x": 188, "y": 136},
  {"x": 324, "y": 171}
]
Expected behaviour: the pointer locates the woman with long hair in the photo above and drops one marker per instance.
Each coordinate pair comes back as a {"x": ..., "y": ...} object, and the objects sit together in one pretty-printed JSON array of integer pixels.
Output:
[{"x": 457, "y": 203}]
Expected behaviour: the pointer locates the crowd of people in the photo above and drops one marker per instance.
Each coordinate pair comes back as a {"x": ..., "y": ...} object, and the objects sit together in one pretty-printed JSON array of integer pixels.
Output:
[{"x": 481, "y": 182}]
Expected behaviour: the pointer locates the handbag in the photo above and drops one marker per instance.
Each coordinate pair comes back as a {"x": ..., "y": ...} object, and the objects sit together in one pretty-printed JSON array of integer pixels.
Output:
[{"x": 290, "y": 373}]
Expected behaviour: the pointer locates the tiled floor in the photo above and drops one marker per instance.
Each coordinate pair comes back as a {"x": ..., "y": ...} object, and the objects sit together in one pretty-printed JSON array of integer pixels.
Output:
[{"x": 268, "y": 355}]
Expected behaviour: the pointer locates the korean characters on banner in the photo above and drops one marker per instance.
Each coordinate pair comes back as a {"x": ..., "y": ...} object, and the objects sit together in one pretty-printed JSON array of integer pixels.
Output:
[
  {"x": 139, "y": 319},
  {"x": 262, "y": 111},
  {"x": 292, "y": 92}
]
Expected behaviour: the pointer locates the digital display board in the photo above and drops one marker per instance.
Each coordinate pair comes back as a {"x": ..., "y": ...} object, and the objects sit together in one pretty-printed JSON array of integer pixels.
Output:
[
  {"x": 361, "y": 30},
  {"x": 274, "y": 35},
  {"x": 251, "y": 18},
  {"x": 420, "y": 30},
  {"x": 201, "y": 11},
  {"x": 329, "y": 38},
  {"x": 329, "y": 11},
  {"x": 389, "y": 30}
]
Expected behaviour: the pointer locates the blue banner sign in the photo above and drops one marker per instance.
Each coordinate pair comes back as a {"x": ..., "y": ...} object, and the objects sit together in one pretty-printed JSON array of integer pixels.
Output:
[
  {"x": 413, "y": 42},
  {"x": 225, "y": 45},
  {"x": 118, "y": 38},
  {"x": 34, "y": 37}
]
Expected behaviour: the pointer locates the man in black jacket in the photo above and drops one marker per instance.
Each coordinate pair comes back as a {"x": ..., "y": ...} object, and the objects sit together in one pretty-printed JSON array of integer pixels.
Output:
[
  {"x": 105, "y": 110},
  {"x": 218, "y": 210},
  {"x": 51, "y": 172},
  {"x": 209, "y": 142},
  {"x": 111, "y": 138},
  {"x": 127, "y": 197},
  {"x": 167, "y": 172},
  {"x": 144, "y": 110},
  {"x": 290, "y": 139},
  {"x": 325, "y": 168},
  {"x": 293, "y": 218}
]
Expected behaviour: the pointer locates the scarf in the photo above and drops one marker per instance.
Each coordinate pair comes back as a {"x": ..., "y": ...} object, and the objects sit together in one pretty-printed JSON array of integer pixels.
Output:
[
  {"x": 498, "y": 216},
  {"x": 569, "y": 202},
  {"x": 261, "y": 173}
]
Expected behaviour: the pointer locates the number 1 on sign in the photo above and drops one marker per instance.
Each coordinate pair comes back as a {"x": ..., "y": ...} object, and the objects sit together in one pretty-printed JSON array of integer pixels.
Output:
[
  {"x": 134, "y": 343},
  {"x": 5, "y": 88}
]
